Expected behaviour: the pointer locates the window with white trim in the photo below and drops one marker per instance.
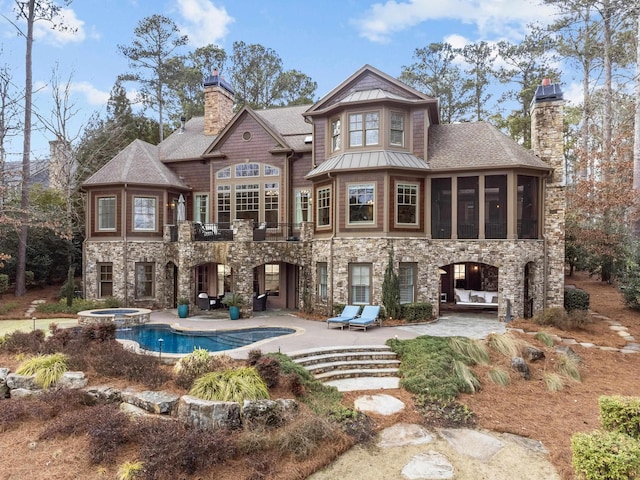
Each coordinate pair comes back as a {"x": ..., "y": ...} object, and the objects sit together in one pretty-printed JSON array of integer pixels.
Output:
[
  {"x": 105, "y": 280},
  {"x": 224, "y": 173},
  {"x": 224, "y": 204},
  {"x": 324, "y": 207},
  {"x": 364, "y": 129},
  {"x": 247, "y": 170},
  {"x": 323, "y": 282},
  {"x": 360, "y": 283},
  {"x": 270, "y": 171},
  {"x": 201, "y": 207},
  {"x": 106, "y": 213},
  {"x": 406, "y": 280},
  {"x": 361, "y": 203},
  {"x": 335, "y": 135},
  {"x": 248, "y": 201},
  {"x": 271, "y": 204},
  {"x": 144, "y": 273},
  {"x": 301, "y": 206},
  {"x": 272, "y": 278},
  {"x": 396, "y": 135},
  {"x": 144, "y": 213},
  {"x": 407, "y": 203}
]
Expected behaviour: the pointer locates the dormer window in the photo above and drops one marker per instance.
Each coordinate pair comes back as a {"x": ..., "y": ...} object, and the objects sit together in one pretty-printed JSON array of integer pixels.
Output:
[
  {"x": 364, "y": 129},
  {"x": 396, "y": 137},
  {"x": 335, "y": 135}
]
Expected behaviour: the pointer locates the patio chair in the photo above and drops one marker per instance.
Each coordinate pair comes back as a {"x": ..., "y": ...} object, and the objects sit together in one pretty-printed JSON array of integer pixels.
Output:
[
  {"x": 368, "y": 317},
  {"x": 348, "y": 313}
]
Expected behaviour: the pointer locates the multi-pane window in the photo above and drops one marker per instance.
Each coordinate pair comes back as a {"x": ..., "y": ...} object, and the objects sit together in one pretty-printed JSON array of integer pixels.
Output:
[
  {"x": 224, "y": 173},
  {"x": 144, "y": 213},
  {"x": 361, "y": 203},
  {"x": 335, "y": 135},
  {"x": 407, "y": 203},
  {"x": 301, "y": 206},
  {"x": 360, "y": 283},
  {"x": 106, "y": 213},
  {"x": 201, "y": 207},
  {"x": 270, "y": 171},
  {"x": 224, "y": 278},
  {"x": 248, "y": 201},
  {"x": 406, "y": 279},
  {"x": 363, "y": 129},
  {"x": 224, "y": 204},
  {"x": 324, "y": 206},
  {"x": 105, "y": 280},
  {"x": 272, "y": 277},
  {"x": 322, "y": 280},
  {"x": 271, "y": 195},
  {"x": 144, "y": 280},
  {"x": 247, "y": 170},
  {"x": 396, "y": 137}
]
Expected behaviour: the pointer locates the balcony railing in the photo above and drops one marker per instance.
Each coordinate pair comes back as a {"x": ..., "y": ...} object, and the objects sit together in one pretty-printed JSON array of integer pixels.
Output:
[{"x": 221, "y": 232}]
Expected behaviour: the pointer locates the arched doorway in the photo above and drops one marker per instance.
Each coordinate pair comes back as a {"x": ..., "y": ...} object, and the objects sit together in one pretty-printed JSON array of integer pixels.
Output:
[{"x": 468, "y": 285}]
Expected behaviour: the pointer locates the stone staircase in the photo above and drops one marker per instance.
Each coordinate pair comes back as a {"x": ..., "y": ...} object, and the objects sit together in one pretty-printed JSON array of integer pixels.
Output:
[{"x": 343, "y": 362}]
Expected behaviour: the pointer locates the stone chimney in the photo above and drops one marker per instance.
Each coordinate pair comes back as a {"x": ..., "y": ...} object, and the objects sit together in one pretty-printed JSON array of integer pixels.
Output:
[
  {"x": 218, "y": 103},
  {"x": 60, "y": 165},
  {"x": 547, "y": 143}
]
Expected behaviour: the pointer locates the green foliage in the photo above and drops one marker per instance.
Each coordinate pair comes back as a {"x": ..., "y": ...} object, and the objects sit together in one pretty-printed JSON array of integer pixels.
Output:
[
  {"x": 233, "y": 299},
  {"x": 391, "y": 290},
  {"x": 4, "y": 283},
  {"x": 7, "y": 307},
  {"x": 475, "y": 351},
  {"x": 499, "y": 376},
  {"x": 605, "y": 456},
  {"x": 427, "y": 366},
  {"x": 466, "y": 376},
  {"x": 191, "y": 366},
  {"x": 444, "y": 412},
  {"x": 545, "y": 338},
  {"x": 576, "y": 299},
  {"x": 183, "y": 301},
  {"x": 567, "y": 366},
  {"x": 69, "y": 286},
  {"x": 505, "y": 344},
  {"x": 130, "y": 470},
  {"x": 553, "y": 381},
  {"x": 304, "y": 436},
  {"x": 48, "y": 369},
  {"x": 337, "y": 308},
  {"x": 560, "y": 318},
  {"x": 416, "y": 312},
  {"x": 620, "y": 414},
  {"x": 236, "y": 385},
  {"x": 629, "y": 282}
]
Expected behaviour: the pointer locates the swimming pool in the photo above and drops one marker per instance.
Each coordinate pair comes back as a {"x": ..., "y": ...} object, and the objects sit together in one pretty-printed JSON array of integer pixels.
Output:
[{"x": 149, "y": 337}]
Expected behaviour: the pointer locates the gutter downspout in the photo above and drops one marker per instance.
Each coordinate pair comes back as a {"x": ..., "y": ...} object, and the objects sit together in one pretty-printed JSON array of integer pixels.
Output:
[
  {"x": 125, "y": 247},
  {"x": 333, "y": 234}
]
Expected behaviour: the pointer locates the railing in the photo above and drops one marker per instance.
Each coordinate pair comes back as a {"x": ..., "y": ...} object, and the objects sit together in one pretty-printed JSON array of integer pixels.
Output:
[
  {"x": 212, "y": 232},
  {"x": 223, "y": 232},
  {"x": 495, "y": 230}
]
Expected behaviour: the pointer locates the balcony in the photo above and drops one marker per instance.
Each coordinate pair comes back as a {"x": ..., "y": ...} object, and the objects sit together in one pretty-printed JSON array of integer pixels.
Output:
[{"x": 239, "y": 230}]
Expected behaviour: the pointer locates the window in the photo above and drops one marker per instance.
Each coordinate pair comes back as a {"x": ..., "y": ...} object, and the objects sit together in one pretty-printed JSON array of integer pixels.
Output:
[
  {"x": 105, "y": 280},
  {"x": 224, "y": 173},
  {"x": 441, "y": 208},
  {"x": 272, "y": 277},
  {"x": 361, "y": 201},
  {"x": 247, "y": 170},
  {"x": 406, "y": 279},
  {"x": 106, "y": 213},
  {"x": 495, "y": 206},
  {"x": 324, "y": 207},
  {"x": 248, "y": 201},
  {"x": 360, "y": 283},
  {"x": 460, "y": 275},
  {"x": 201, "y": 208},
  {"x": 322, "y": 280},
  {"x": 363, "y": 129},
  {"x": 144, "y": 213},
  {"x": 271, "y": 204},
  {"x": 224, "y": 204},
  {"x": 527, "y": 206},
  {"x": 335, "y": 135},
  {"x": 270, "y": 171},
  {"x": 468, "y": 211},
  {"x": 301, "y": 206},
  {"x": 407, "y": 206},
  {"x": 224, "y": 278},
  {"x": 144, "y": 280},
  {"x": 396, "y": 137}
]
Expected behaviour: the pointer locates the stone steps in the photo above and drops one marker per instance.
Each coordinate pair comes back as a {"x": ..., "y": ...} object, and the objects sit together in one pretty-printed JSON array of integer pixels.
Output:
[{"x": 343, "y": 362}]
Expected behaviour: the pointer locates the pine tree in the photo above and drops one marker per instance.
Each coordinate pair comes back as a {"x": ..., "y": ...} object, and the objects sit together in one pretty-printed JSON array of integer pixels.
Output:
[{"x": 391, "y": 290}]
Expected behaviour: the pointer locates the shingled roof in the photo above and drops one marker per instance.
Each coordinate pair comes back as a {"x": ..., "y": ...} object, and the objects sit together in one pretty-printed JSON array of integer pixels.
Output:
[
  {"x": 476, "y": 145},
  {"x": 137, "y": 164},
  {"x": 369, "y": 161}
]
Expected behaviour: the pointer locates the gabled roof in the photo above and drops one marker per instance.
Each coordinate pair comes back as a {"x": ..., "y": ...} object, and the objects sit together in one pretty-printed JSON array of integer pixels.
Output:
[
  {"x": 378, "y": 159},
  {"x": 137, "y": 164},
  {"x": 286, "y": 125},
  {"x": 186, "y": 143},
  {"x": 364, "y": 86},
  {"x": 476, "y": 145}
]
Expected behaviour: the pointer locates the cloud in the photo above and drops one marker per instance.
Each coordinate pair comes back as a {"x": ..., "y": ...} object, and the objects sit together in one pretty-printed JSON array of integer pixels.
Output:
[
  {"x": 491, "y": 17},
  {"x": 70, "y": 29},
  {"x": 93, "y": 95},
  {"x": 203, "y": 21}
]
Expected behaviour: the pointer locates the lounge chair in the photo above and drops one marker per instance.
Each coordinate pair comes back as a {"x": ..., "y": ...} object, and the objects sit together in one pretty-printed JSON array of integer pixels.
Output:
[
  {"x": 368, "y": 317},
  {"x": 348, "y": 313}
]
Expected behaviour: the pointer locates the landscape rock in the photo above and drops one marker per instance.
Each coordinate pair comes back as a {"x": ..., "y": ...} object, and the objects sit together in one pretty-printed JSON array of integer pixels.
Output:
[
  {"x": 566, "y": 350},
  {"x": 209, "y": 414},
  {"x": 104, "y": 394},
  {"x": 268, "y": 413},
  {"x": 26, "y": 382},
  {"x": 73, "y": 380},
  {"x": 430, "y": 465},
  {"x": 4, "y": 389},
  {"x": 154, "y": 402},
  {"x": 23, "y": 392},
  {"x": 403, "y": 434},
  {"x": 532, "y": 354},
  {"x": 520, "y": 366},
  {"x": 473, "y": 443}
]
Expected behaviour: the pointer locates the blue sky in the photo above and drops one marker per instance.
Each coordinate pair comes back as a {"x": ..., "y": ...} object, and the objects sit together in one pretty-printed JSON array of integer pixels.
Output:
[{"x": 326, "y": 39}]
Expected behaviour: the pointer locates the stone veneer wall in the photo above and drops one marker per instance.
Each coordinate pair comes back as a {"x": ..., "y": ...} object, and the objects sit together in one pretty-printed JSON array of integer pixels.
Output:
[{"x": 509, "y": 256}]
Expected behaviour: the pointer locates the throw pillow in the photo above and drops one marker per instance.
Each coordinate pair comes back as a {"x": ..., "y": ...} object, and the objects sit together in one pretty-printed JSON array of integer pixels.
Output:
[
  {"x": 473, "y": 298},
  {"x": 494, "y": 299}
]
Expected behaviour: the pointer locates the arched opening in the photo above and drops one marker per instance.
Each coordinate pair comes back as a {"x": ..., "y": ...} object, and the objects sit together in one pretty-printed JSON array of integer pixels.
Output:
[
  {"x": 212, "y": 282},
  {"x": 528, "y": 297},
  {"x": 468, "y": 285},
  {"x": 279, "y": 281}
]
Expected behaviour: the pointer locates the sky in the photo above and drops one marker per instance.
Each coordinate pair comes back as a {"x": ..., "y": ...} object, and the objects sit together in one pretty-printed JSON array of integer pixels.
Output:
[{"x": 328, "y": 40}]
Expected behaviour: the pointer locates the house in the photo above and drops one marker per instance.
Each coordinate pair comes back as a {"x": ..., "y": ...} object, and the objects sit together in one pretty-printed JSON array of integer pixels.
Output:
[{"x": 306, "y": 203}]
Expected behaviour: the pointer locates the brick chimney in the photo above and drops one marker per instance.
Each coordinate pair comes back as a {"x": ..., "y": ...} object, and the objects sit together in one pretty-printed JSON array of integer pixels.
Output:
[
  {"x": 218, "y": 103},
  {"x": 547, "y": 143}
]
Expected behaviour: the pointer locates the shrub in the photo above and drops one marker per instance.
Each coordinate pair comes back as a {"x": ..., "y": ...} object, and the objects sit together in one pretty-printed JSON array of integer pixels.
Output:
[
  {"x": 499, "y": 376},
  {"x": 48, "y": 369},
  {"x": 444, "y": 412},
  {"x": 567, "y": 365},
  {"x": 553, "y": 317},
  {"x": 576, "y": 299},
  {"x": 130, "y": 470},
  {"x": 505, "y": 344},
  {"x": 301, "y": 437},
  {"x": 605, "y": 456},
  {"x": 474, "y": 351},
  {"x": 7, "y": 307},
  {"x": 4, "y": 283},
  {"x": 415, "y": 312},
  {"x": 354, "y": 423},
  {"x": 253, "y": 356},
  {"x": 553, "y": 381},
  {"x": 191, "y": 366},
  {"x": 620, "y": 414},
  {"x": 234, "y": 385},
  {"x": 337, "y": 308},
  {"x": 545, "y": 338},
  {"x": 21, "y": 342},
  {"x": 269, "y": 370},
  {"x": 108, "y": 430}
]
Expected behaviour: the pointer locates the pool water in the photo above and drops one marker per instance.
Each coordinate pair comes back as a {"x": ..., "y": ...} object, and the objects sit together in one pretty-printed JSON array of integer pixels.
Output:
[{"x": 176, "y": 341}]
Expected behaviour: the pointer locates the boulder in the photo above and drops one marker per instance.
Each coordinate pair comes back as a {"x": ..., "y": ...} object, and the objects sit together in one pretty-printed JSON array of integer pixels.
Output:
[
  {"x": 4, "y": 389},
  {"x": 73, "y": 380},
  {"x": 565, "y": 350},
  {"x": 520, "y": 366},
  {"x": 104, "y": 394},
  {"x": 209, "y": 414},
  {"x": 268, "y": 413},
  {"x": 531, "y": 354},
  {"x": 154, "y": 402},
  {"x": 26, "y": 382}
]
